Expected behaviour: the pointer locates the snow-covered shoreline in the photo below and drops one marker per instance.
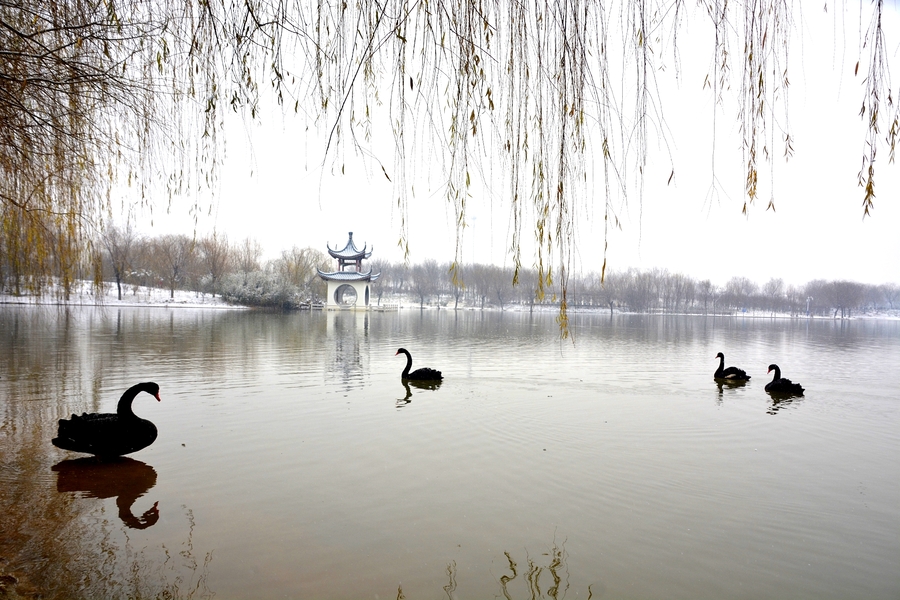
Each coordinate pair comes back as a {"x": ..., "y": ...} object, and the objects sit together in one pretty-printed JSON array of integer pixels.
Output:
[{"x": 84, "y": 294}]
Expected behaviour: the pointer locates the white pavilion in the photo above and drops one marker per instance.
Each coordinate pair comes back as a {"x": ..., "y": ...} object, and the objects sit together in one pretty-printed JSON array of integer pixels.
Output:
[{"x": 348, "y": 287}]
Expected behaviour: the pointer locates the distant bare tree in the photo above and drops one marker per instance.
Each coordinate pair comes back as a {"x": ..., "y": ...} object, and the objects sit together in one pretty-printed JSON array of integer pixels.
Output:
[
  {"x": 527, "y": 285},
  {"x": 583, "y": 289},
  {"x": 845, "y": 296},
  {"x": 774, "y": 292},
  {"x": 216, "y": 258},
  {"x": 143, "y": 271},
  {"x": 682, "y": 291},
  {"x": 795, "y": 299},
  {"x": 501, "y": 284},
  {"x": 297, "y": 267},
  {"x": 818, "y": 296},
  {"x": 690, "y": 292},
  {"x": 891, "y": 293},
  {"x": 480, "y": 282},
  {"x": 835, "y": 296},
  {"x": 707, "y": 293},
  {"x": 425, "y": 279},
  {"x": 609, "y": 290},
  {"x": 385, "y": 268},
  {"x": 739, "y": 290},
  {"x": 456, "y": 276},
  {"x": 872, "y": 297},
  {"x": 665, "y": 288},
  {"x": 173, "y": 254},
  {"x": 120, "y": 245},
  {"x": 640, "y": 291},
  {"x": 443, "y": 282},
  {"x": 400, "y": 276},
  {"x": 248, "y": 254}
]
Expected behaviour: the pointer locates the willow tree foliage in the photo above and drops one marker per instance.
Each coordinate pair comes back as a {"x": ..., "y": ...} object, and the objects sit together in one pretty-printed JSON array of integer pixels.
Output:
[{"x": 97, "y": 96}]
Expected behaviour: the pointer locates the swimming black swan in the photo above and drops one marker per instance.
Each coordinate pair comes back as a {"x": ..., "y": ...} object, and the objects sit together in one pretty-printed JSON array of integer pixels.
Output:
[
  {"x": 423, "y": 374},
  {"x": 105, "y": 434},
  {"x": 731, "y": 373},
  {"x": 779, "y": 385}
]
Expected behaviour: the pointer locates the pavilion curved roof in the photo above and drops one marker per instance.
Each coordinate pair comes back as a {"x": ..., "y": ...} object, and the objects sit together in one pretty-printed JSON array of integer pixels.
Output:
[
  {"x": 349, "y": 275},
  {"x": 349, "y": 251}
]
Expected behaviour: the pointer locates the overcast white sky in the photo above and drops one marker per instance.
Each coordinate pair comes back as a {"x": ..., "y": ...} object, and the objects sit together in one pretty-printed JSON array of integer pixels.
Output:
[{"x": 279, "y": 194}]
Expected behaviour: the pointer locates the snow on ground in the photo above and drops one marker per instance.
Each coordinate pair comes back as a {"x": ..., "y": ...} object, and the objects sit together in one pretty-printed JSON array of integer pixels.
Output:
[{"x": 84, "y": 294}]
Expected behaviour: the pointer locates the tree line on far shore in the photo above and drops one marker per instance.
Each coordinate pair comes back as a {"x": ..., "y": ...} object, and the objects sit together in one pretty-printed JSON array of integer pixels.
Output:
[
  {"x": 631, "y": 290},
  {"x": 127, "y": 260},
  {"x": 236, "y": 272}
]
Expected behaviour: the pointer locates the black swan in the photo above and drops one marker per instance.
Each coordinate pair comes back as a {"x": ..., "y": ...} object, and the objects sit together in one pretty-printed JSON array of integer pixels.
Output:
[
  {"x": 423, "y": 374},
  {"x": 780, "y": 385},
  {"x": 105, "y": 434},
  {"x": 731, "y": 373}
]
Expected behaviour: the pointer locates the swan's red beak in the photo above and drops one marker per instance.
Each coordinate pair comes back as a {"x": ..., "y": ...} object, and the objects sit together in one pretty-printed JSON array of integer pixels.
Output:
[
  {"x": 158, "y": 399},
  {"x": 396, "y": 353}
]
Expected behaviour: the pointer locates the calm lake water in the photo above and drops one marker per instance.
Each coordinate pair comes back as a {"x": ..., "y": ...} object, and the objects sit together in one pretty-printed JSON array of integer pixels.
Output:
[{"x": 293, "y": 463}]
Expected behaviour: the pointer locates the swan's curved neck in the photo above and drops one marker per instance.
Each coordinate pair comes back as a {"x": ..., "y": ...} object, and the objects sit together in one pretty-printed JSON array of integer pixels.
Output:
[
  {"x": 408, "y": 363},
  {"x": 124, "y": 407},
  {"x": 777, "y": 374},
  {"x": 721, "y": 364}
]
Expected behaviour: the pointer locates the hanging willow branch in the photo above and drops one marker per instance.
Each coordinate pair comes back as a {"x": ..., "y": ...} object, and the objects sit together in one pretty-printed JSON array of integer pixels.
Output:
[{"x": 97, "y": 96}]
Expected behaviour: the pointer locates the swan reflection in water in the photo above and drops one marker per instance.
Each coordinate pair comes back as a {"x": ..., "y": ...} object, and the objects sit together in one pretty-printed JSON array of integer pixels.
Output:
[
  {"x": 124, "y": 479},
  {"x": 730, "y": 384},
  {"x": 781, "y": 401},
  {"x": 778, "y": 401},
  {"x": 420, "y": 385}
]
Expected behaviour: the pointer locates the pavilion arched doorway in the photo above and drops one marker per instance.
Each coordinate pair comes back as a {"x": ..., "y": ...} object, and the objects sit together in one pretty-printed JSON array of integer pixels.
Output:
[{"x": 345, "y": 295}]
